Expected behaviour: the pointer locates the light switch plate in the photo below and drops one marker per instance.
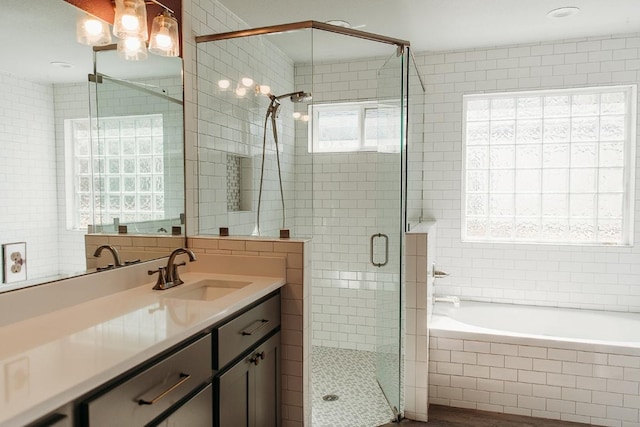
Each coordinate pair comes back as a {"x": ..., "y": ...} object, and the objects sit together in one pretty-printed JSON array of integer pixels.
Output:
[{"x": 14, "y": 261}]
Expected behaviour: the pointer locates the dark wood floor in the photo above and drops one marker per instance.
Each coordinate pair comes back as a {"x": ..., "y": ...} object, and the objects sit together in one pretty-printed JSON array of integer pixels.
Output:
[{"x": 444, "y": 416}]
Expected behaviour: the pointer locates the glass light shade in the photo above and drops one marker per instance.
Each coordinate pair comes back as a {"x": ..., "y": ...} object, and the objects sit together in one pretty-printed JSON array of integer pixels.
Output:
[
  {"x": 92, "y": 31},
  {"x": 132, "y": 49},
  {"x": 130, "y": 19},
  {"x": 264, "y": 89},
  {"x": 164, "y": 39}
]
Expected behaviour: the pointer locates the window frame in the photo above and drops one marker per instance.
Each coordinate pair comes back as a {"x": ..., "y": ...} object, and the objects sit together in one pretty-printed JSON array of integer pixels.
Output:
[
  {"x": 73, "y": 216},
  {"x": 358, "y": 106},
  {"x": 629, "y": 165}
]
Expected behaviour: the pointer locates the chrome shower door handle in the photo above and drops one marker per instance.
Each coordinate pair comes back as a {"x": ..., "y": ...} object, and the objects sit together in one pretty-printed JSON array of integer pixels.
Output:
[{"x": 386, "y": 249}]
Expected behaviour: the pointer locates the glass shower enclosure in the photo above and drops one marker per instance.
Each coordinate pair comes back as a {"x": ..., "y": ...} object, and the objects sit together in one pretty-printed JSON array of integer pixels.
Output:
[{"x": 303, "y": 131}]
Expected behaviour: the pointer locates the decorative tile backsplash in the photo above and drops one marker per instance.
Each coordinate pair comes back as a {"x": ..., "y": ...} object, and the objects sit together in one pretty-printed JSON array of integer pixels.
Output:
[{"x": 234, "y": 179}]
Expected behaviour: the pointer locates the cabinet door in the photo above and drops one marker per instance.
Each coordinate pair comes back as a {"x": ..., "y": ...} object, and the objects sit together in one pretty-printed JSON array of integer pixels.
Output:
[
  {"x": 232, "y": 407},
  {"x": 265, "y": 378},
  {"x": 196, "y": 412},
  {"x": 248, "y": 394}
]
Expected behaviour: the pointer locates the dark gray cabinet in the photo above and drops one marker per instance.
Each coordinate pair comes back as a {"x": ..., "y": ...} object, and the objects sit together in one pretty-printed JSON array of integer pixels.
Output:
[
  {"x": 147, "y": 396},
  {"x": 226, "y": 376},
  {"x": 247, "y": 383},
  {"x": 248, "y": 392},
  {"x": 196, "y": 412}
]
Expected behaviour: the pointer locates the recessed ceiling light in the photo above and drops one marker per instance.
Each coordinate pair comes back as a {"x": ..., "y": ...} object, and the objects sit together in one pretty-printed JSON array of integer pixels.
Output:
[
  {"x": 563, "y": 12},
  {"x": 60, "y": 64},
  {"x": 339, "y": 23}
]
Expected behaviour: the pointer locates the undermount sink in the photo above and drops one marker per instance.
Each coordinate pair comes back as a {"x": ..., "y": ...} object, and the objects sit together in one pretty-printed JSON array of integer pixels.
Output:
[{"x": 209, "y": 290}]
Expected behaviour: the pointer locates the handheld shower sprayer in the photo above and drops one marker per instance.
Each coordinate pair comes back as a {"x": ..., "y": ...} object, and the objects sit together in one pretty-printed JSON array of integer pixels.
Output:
[{"x": 272, "y": 114}]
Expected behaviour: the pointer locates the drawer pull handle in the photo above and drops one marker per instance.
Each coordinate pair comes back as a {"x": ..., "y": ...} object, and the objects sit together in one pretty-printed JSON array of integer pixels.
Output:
[
  {"x": 257, "y": 358},
  {"x": 182, "y": 380},
  {"x": 260, "y": 324}
]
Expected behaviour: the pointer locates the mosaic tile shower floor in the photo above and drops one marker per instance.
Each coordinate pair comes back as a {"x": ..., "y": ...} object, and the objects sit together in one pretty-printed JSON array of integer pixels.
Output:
[{"x": 350, "y": 375}]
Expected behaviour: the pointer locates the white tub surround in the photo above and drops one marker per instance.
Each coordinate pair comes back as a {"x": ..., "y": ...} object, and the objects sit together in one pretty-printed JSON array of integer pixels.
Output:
[
  {"x": 573, "y": 365},
  {"x": 51, "y": 359}
]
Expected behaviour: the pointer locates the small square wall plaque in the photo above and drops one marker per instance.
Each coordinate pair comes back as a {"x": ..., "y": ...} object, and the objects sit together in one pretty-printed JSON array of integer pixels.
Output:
[{"x": 14, "y": 262}]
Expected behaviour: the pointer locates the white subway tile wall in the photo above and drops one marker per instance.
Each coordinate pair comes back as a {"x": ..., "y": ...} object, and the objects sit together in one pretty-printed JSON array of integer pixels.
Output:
[
  {"x": 71, "y": 102},
  {"x": 546, "y": 382},
  {"x": 596, "y": 277},
  {"x": 28, "y": 171}
]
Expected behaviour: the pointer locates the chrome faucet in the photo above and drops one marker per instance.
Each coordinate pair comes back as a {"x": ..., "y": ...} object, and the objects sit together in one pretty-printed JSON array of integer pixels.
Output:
[
  {"x": 168, "y": 276},
  {"x": 114, "y": 252}
]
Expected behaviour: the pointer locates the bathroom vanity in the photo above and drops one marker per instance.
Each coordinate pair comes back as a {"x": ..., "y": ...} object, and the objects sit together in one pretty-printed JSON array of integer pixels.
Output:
[{"x": 203, "y": 353}]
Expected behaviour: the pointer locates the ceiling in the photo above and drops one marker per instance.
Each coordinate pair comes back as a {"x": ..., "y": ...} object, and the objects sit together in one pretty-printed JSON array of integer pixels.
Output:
[
  {"x": 440, "y": 25},
  {"x": 39, "y": 29}
]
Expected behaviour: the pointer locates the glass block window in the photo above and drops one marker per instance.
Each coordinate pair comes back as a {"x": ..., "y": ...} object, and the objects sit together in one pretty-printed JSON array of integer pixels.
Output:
[
  {"x": 118, "y": 174},
  {"x": 353, "y": 126},
  {"x": 553, "y": 166}
]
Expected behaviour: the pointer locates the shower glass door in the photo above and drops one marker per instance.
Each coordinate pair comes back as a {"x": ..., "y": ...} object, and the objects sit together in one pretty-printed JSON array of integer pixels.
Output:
[{"x": 386, "y": 243}]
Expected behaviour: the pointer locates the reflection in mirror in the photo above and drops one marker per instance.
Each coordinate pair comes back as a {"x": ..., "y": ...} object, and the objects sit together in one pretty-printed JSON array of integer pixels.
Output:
[
  {"x": 134, "y": 166},
  {"x": 43, "y": 90}
]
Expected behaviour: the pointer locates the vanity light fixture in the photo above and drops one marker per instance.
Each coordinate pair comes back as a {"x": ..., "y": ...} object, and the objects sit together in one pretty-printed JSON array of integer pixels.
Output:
[
  {"x": 164, "y": 39},
  {"x": 130, "y": 19},
  {"x": 130, "y": 27},
  {"x": 224, "y": 84},
  {"x": 92, "y": 31}
]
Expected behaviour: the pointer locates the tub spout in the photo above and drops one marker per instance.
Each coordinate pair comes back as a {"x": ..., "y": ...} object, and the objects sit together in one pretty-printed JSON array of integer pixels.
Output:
[{"x": 449, "y": 298}]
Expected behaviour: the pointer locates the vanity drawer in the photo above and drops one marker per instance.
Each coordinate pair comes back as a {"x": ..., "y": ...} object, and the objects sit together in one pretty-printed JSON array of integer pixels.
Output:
[
  {"x": 146, "y": 395},
  {"x": 237, "y": 335}
]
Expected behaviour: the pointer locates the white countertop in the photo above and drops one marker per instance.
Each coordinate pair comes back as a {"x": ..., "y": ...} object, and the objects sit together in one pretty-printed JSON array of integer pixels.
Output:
[{"x": 49, "y": 360}]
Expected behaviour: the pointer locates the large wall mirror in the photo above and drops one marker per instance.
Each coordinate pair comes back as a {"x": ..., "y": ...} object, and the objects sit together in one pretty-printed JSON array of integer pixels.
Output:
[{"x": 82, "y": 155}]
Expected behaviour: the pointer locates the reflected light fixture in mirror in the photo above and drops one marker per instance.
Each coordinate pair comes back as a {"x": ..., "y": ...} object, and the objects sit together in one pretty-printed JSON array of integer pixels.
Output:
[
  {"x": 132, "y": 48},
  {"x": 92, "y": 31}
]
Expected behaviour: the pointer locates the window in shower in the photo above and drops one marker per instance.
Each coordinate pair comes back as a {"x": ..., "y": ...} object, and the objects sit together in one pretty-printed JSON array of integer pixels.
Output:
[
  {"x": 553, "y": 166},
  {"x": 118, "y": 174},
  {"x": 353, "y": 126}
]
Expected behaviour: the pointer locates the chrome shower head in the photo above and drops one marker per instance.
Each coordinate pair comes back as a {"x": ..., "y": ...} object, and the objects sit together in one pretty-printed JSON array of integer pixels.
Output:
[
  {"x": 300, "y": 97},
  {"x": 294, "y": 97}
]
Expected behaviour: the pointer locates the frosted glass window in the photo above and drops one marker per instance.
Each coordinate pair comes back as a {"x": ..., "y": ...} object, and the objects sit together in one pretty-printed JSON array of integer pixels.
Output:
[
  {"x": 353, "y": 126},
  {"x": 553, "y": 166},
  {"x": 120, "y": 169}
]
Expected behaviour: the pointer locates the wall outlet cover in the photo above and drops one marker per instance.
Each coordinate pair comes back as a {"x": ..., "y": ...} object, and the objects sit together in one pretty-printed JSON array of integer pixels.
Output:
[{"x": 14, "y": 261}]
